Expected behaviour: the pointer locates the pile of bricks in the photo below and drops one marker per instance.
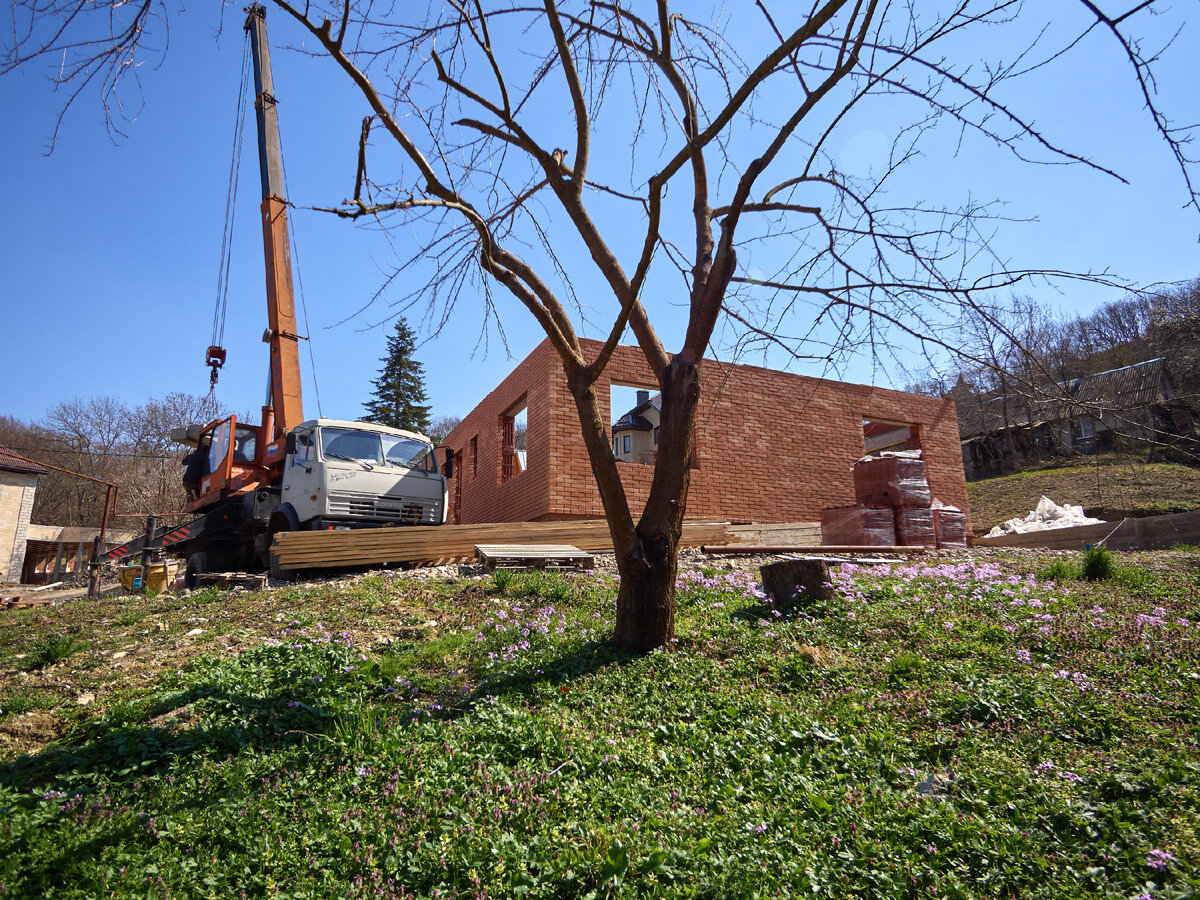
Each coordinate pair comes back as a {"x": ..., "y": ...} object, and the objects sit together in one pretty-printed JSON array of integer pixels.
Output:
[{"x": 894, "y": 507}]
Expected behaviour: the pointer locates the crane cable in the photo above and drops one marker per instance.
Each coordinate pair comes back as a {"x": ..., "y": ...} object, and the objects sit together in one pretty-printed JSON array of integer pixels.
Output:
[{"x": 216, "y": 354}]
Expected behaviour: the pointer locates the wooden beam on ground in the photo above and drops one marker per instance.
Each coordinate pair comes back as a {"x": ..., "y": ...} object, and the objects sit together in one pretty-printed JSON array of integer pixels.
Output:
[
  {"x": 416, "y": 545},
  {"x": 775, "y": 549}
]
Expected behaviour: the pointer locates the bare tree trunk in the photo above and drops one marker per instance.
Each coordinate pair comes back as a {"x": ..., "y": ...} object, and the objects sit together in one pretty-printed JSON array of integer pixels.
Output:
[{"x": 649, "y": 562}]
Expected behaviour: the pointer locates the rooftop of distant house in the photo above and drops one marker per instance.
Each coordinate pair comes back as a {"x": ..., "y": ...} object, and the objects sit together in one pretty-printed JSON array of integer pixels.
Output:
[
  {"x": 11, "y": 462},
  {"x": 634, "y": 420}
]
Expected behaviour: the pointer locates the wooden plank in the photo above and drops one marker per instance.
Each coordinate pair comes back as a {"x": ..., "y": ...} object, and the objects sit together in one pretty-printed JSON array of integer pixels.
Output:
[
  {"x": 1149, "y": 533},
  {"x": 378, "y": 546},
  {"x": 774, "y": 549}
]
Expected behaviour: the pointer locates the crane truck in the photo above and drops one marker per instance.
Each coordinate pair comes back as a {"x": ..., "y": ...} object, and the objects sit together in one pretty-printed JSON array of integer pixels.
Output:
[{"x": 249, "y": 482}]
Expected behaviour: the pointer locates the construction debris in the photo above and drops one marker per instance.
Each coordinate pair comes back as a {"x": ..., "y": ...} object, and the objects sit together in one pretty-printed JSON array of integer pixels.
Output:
[
  {"x": 858, "y": 525},
  {"x": 1048, "y": 515},
  {"x": 778, "y": 549}
]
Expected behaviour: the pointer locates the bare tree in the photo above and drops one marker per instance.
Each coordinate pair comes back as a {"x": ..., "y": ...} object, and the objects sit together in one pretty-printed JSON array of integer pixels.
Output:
[
  {"x": 440, "y": 426},
  {"x": 105, "y": 438},
  {"x": 556, "y": 148},
  {"x": 1172, "y": 331}
]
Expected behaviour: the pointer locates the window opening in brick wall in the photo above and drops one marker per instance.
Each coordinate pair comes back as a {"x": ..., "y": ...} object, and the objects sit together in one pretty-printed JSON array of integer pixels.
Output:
[
  {"x": 883, "y": 435},
  {"x": 514, "y": 426},
  {"x": 475, "y": 456},
  {"x": 635, "y": 423}
]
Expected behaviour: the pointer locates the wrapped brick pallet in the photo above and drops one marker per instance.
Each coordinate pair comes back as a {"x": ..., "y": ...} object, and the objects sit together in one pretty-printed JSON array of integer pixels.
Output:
[
  {"x": 855, "y": 525},
  {"x": 950, "y": 528},
  {"x": 914, "y": 527},
  {"x": 891, "y": 481}
]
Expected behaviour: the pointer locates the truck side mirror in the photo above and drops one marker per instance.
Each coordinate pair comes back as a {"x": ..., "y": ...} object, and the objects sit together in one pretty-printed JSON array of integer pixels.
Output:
[
  {"x": 290, "y": 444},
  {"x": 448, "y": 469}
]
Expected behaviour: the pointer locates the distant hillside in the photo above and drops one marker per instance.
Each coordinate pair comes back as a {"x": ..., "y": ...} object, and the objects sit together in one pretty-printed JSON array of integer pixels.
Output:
[{"x": 1109, "y": 487}]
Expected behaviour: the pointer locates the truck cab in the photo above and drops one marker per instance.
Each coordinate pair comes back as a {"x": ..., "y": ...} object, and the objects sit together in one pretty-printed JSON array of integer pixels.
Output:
[
  {"x": 322, "y": 474},
  {"x": 339, "y": 474}
]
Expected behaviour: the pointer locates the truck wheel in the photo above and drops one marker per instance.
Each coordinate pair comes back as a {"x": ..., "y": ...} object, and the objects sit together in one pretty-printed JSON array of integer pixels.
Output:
[{"x": 197, "y": 565}]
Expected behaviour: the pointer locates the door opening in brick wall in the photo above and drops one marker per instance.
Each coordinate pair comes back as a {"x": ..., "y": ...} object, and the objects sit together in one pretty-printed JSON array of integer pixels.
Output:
[
  {"x": 514, "y": 426},
  {"x": 634, "y": 423},
  {"x": 883, "y": 435}
]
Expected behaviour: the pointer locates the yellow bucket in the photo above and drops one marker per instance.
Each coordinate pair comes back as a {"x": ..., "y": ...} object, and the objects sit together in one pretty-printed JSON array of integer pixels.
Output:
[{"x": 158, "y": 576}]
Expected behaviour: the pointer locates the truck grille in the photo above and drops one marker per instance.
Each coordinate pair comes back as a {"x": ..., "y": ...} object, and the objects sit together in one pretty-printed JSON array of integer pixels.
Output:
[{"x": 368, "y": 507}]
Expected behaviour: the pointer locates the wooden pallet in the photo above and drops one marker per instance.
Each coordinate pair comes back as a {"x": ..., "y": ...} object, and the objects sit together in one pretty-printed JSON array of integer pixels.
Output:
[
  {"x": 442, "y": 544},
  {"x": 23, "y": 601},
  {"x": 533, "y": 556},
  {"x": 232, "y": 580}
]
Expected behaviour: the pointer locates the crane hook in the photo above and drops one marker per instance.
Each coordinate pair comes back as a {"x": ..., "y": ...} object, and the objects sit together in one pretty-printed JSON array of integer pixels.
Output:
[{"x": 214, "y": 358}]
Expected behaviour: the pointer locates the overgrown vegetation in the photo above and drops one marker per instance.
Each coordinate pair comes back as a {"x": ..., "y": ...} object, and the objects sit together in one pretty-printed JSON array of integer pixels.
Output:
[{"x": 958, "y": 729}]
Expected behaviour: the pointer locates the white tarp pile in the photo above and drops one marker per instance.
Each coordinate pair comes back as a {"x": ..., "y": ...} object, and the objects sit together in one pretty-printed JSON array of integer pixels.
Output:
[{"x": 1048, "y": 515}]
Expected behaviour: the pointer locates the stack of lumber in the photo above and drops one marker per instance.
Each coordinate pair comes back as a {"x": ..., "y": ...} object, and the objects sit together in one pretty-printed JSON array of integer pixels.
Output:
[{"x": 454, "y": 543}]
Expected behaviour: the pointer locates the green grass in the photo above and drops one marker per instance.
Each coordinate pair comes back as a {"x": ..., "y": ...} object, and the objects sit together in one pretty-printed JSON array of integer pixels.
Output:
[
  {"x": 1099, "y": 564},
  {"x": 19, "y": 701},
  {"x": 51, "y": 649},
  {"x": 948, "y": 731}
]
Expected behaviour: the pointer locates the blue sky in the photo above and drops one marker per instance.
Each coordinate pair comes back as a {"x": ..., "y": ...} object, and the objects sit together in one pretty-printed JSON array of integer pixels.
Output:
[{"x": 109, "y": 268}]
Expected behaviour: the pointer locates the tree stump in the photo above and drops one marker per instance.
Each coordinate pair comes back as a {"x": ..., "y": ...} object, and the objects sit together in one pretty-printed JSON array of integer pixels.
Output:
[{"x": 797, "y": 582}]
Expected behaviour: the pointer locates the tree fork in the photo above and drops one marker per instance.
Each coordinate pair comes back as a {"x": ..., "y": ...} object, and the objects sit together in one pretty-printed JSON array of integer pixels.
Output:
[{"x": 646, "y": 600}]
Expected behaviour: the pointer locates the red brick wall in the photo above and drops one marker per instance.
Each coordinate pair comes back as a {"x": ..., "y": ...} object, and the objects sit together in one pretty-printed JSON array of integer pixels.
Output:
[{"x": 771, "y": 446}]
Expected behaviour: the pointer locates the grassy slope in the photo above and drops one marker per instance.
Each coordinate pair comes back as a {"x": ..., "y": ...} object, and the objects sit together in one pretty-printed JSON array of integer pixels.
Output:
[
  {"x": 960, "y": 732},
  {"x": 1116, "y": 485}
]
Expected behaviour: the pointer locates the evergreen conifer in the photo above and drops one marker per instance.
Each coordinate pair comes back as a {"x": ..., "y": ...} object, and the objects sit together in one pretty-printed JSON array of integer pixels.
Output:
[{"x": 398, "y": 399}]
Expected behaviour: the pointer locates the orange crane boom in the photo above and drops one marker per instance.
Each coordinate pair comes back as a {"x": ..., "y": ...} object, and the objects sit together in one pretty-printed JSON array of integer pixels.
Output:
[{"x": 286, "y": 402}]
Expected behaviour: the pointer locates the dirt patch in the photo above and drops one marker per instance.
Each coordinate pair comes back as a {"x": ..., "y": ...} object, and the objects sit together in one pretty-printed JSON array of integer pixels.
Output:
[{"x": 28, "y": 733}]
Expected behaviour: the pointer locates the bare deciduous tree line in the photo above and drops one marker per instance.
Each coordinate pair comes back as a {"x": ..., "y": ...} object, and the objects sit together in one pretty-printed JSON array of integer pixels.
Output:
[
  {"x": 108, "y": 439},
  {"x": 1022, "y": 349}
]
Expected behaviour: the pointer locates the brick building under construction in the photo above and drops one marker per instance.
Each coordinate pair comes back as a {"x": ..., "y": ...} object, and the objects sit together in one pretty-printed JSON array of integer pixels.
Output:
[{"x": 770, "y": 446}]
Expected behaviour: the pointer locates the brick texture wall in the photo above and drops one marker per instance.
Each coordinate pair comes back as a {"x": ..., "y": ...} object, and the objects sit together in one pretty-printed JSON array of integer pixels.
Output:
[
  {"x": 771, "y": 446},
  {"x": 16, "y": 505}
]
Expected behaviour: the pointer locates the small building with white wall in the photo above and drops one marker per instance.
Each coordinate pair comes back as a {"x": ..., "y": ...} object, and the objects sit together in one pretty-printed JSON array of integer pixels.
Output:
[{"x": 18, "y": 485}]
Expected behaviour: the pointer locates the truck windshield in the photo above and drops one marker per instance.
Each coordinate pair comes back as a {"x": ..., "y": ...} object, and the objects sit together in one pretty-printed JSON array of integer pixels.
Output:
[
  {"x": 374, "y": 448},
  {"x": 357, "y": 446},
  {"x": 406, "y": 452}
]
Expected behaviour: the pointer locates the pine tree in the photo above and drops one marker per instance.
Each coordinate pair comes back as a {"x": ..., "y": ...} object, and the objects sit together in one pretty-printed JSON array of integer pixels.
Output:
[{"x": 399, "y": 399}]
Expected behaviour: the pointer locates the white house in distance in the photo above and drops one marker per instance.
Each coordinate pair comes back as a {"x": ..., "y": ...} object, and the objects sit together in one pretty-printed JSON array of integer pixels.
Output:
[
  {"x": 18, "y": 484},
  {"x": 635, "y": 434}
]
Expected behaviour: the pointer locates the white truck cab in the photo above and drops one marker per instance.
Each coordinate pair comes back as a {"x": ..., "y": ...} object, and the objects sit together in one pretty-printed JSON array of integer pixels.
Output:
[{"x": 346, "y": 474}]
